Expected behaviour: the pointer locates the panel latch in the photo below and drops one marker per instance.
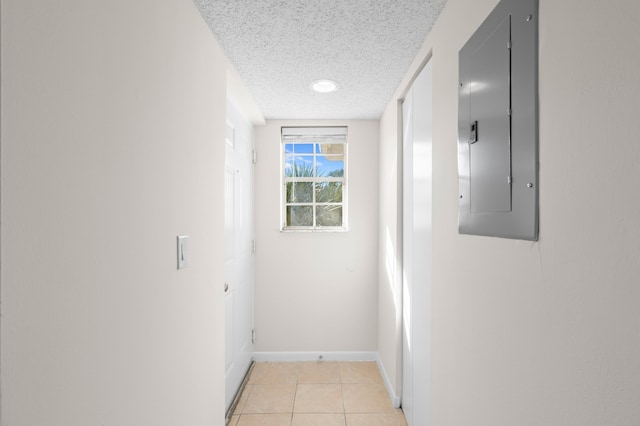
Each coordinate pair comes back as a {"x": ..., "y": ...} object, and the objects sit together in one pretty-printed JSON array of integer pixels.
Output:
[{"x": 473, "y": 133}]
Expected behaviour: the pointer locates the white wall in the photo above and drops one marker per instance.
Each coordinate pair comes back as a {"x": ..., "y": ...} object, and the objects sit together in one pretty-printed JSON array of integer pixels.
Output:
[
  {"x": 113, "y": 133},
  {"x": 317, "y": 292},
  {"x": 547, "y": 332},
  {"x": 390, "y": 250}
]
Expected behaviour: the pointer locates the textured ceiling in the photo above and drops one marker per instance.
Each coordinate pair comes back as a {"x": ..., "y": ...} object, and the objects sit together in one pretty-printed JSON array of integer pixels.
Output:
[{"x": 280, "y": 46}]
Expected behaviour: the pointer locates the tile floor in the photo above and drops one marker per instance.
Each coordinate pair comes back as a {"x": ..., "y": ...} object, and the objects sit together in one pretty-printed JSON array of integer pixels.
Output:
[{"x": 316, "y": 394}]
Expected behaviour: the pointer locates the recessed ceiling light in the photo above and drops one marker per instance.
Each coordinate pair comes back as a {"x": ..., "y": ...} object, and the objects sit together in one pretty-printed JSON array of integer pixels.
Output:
[{"x": 324, "y": 86}]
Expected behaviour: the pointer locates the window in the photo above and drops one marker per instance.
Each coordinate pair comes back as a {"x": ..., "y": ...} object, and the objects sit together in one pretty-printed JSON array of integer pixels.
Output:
[{"x": 313, "y": 174}]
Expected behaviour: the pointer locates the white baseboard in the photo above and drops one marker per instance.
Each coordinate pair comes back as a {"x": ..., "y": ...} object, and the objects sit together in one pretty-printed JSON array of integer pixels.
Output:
[
  {"x": 331, "y": 356},
  {"x": 314, "y": 356},
  {"x": 395, "y": 399}
]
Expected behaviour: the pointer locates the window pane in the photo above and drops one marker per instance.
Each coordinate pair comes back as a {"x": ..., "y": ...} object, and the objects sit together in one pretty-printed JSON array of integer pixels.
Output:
[
  {"x": 330, "y": 165},
  {"x": 329, "y": 192},
  {"x": 330, "y": 148},
  {"x": 299, "y": 216},
  {"x": 288, "y": 148},
  {"x": 298, "y": 166},
  {"x": 299, "y": 192},
  {"x": 329, "y": 215},
  {"x": 288, "y": 165},
  {"x": 303, "y": 148}
]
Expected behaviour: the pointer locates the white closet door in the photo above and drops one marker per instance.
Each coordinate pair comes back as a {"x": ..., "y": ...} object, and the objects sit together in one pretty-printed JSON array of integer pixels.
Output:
[
  {"x": 417, "y": 255},
  {"x": 239, "y": 251}
]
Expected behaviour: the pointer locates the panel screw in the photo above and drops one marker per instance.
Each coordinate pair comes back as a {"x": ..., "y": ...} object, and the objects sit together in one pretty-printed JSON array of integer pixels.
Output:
[
  {"x": 529, "y": 185},
  {"x": 529, "y": 18},
  {"x": 460, "y": 196}
]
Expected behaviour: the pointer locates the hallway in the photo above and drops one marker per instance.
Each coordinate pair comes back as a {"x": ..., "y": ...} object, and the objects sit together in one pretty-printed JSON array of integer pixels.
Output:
[
  {"x": 113, "y": 140},
  {"x": 316, "y": 393}
]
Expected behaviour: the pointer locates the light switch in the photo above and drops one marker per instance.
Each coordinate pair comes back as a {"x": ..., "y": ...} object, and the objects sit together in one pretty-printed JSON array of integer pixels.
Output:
[{"x": 183, "y": 250}]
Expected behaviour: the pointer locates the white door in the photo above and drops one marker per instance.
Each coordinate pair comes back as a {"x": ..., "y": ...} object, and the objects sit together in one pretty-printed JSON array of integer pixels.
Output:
[
  {"x": 238, "y": 284},
  {"x": 416, "y": 246}
]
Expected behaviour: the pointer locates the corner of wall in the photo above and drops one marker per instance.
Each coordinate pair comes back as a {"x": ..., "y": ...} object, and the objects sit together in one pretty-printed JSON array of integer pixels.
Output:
[{"x": 391, "y": 390}]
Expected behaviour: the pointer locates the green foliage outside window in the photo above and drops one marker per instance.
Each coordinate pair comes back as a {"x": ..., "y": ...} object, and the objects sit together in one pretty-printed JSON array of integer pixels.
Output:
[{"x": 302, "y": 191}]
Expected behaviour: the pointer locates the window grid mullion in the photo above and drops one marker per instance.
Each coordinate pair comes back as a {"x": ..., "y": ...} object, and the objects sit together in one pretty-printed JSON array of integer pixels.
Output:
[
  {"x": 317, "y": 179},
  {"x": 313, "y": 186}
]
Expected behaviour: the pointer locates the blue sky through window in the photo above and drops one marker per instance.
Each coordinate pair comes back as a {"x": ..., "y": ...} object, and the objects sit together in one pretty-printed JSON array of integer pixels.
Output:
[{"x": 302, "y": 154}]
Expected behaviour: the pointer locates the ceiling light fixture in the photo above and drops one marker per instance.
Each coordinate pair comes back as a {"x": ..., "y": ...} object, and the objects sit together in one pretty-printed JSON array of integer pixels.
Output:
[{"x": 324, "y": 86}]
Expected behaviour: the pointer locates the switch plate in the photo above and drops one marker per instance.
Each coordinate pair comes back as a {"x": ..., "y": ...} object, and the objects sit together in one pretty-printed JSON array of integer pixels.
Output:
[{"x": 183, "y": 250}]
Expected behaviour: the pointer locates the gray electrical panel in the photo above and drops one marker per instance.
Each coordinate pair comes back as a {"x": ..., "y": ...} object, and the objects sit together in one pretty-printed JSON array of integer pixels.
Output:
[{"x": 498, "y": 124}]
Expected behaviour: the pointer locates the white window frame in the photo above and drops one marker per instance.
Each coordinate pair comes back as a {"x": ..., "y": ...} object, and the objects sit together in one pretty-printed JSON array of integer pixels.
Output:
[{"x": 332, "y": 134}]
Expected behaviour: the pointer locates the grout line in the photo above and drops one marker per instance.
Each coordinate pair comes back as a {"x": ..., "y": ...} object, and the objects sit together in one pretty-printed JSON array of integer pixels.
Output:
[
  {"x": 344, "y": 408},
  {"x": 295, "y": 394}
]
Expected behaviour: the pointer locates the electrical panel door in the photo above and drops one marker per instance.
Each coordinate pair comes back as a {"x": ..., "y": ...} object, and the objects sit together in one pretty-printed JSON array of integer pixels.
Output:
[
  {"x": 498, "y": 125},
  {"x": 489, "y": 106}
]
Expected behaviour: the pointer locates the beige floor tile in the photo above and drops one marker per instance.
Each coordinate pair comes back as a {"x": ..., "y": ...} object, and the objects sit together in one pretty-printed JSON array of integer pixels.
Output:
[
  {"x": 270, "y": 399},
  {"x": 319, "y": 372},
  {"x": 255, "y": 372},
  {"x": 243, "y": 399},
  {"x": 360, "y": 372},
  {"x": 318, "y": 420},
  {"x": 265, "y": 420},
  {"x": 318, "y": 398},
  {"x": 366, "y": 398},
  {"x": 273, "y": 373},
  {"x": 316, "y": 394},
  {"x": 395, "y": 419}
]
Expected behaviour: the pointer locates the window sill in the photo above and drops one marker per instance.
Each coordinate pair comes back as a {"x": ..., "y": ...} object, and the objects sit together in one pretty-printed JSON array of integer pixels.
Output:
[{"x": 312, "y": 230}]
